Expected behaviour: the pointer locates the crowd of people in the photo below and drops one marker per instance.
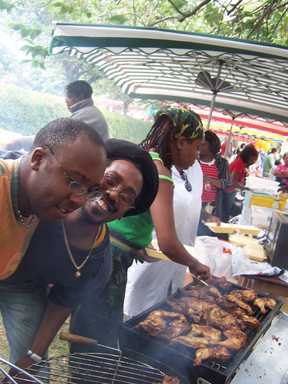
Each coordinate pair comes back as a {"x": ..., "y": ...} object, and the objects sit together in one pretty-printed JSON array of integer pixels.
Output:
[{"x": 75, "y": 223}]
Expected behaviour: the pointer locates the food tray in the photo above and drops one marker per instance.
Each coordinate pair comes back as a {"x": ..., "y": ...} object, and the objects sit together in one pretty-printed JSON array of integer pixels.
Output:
[
  {"x": 234, "y": 228},
  {"x": 180, "y": 358}
]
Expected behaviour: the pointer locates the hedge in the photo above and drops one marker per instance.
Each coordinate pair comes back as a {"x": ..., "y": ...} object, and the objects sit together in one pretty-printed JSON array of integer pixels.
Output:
[{"x": 27, "y": 111}]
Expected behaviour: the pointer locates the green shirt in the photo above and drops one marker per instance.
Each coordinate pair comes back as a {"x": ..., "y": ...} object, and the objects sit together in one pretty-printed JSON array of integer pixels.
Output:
[{"x": 135, "y": 229}]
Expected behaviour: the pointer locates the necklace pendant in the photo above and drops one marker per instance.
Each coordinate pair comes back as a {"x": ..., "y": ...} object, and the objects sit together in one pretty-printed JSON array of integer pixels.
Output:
[{"x": 77, "y": 274}]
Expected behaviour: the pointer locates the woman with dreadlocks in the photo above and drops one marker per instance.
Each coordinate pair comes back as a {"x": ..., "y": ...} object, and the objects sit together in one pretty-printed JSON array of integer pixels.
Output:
[{"x": 172, "y": 142}]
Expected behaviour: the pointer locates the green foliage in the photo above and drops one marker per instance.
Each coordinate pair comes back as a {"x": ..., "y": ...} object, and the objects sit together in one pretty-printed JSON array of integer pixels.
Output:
[
  {"x": 263, "y": 20},
  {"x": 26, "y": 112},
  {"x": 125, "y": 127},
  {"x": 26, "y": 31},
  {"x": 118, "y": 19},
  {"x": 6, "y": 5}
]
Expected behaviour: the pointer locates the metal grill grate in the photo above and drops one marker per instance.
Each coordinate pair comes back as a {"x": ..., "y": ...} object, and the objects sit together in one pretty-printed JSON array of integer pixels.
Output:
[
  {"x": 5, "y": 376},
  {"x": 104, "y": 368}
]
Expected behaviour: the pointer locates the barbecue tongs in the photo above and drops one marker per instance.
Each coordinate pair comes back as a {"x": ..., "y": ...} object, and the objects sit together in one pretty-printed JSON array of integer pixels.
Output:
[{"x": 200, "y": 280}]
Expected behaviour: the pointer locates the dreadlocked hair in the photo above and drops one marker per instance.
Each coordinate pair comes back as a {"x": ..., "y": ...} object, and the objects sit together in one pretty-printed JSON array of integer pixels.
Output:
[{"x": 159, "y": 139}]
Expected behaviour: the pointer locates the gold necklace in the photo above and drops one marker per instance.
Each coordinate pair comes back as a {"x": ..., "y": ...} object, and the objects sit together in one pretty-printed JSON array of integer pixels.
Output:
[
  {"x": 80, "y": 266},
  {"x": 26, "y": 221}
]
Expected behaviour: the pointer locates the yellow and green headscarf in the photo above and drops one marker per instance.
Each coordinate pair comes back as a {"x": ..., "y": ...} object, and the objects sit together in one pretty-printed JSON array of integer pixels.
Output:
[{"x": 186, "y": 123}]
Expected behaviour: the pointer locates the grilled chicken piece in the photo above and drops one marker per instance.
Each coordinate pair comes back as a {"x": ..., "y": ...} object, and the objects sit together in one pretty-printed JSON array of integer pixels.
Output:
[
  {"x": 248, "y": 321},
  {"x": 153, "y": 325},
  {"x": 219, "y": 353},
  {"x": 192, "y": 341},
  {"x": 193, "y": 308},
  {"x": 265, "y": 303},
  {"x": 177, "y": 327},
  {"x": 205, "y": 331},
  {"x": 236, "y": 339},
  {"x": 202, "y": 292},
  {"x": 164, "y": 323},
  {"x": 177, "y": 304},
  {"x": 236, "y": 297},
  {"x": 225, "y": 304},
  {"x": 221, "y": 319},
  {"x": 220, "y": 283},
  {"x": 247, "y": 295}
]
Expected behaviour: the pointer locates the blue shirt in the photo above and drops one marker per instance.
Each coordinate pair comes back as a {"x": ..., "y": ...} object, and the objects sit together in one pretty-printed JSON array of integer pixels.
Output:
[{"x": 47, "y": 262}]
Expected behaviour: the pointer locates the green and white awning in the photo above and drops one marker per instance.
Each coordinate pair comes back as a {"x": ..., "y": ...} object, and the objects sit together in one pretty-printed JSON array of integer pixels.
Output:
[{"x": 159, "y": 64}]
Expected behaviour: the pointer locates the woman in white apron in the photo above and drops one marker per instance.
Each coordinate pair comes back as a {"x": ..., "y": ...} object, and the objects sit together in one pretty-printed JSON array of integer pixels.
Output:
[{"x": 150, "y": 283}]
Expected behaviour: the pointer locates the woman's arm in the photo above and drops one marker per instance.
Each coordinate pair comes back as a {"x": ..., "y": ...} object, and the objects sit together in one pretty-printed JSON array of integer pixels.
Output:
[{"x": 163, "y": 220}]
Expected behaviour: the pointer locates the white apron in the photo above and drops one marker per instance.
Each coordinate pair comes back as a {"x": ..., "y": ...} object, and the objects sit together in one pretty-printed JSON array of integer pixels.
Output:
[{"x": 150, "y": 283}]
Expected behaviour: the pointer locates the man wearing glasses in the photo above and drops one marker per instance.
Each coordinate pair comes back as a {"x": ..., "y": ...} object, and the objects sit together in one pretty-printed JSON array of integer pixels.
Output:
[
  {"x": 50, "y": 182},
  {"x": 73, "y": 255}
]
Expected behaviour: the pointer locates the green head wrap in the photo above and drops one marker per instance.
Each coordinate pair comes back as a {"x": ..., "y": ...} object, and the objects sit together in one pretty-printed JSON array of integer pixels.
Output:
[{"x": 186, "y": 123}]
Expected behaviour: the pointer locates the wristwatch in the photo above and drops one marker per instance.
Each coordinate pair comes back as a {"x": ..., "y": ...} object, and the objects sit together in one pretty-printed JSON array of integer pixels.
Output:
[{"x": 33, "y": 356}]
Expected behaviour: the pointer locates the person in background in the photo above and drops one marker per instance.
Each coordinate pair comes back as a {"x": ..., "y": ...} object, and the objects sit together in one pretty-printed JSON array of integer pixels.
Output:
[
  {"x": 239, "y": 171},
  {"x": 73, "y": 256},
  {"x": 216, "y": 175},
  {"x": 151, "y": 283},
  {"x": 277, "y": 162},
  {"x": 281, "y": 173},
  {"x": 48, "y": 183},
  {"x": 269, "y": 162},
  {"x": 80, "y": 103}
]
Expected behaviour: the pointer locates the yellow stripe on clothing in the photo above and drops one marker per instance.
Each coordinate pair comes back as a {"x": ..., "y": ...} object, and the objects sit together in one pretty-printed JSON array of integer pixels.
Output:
[{"x": 101, "y": 236}]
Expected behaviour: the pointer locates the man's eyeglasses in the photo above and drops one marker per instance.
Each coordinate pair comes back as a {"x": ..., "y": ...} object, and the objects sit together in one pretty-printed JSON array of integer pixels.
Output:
[
  {"x": 110, "y": 183},
  {"x": 76, "y": 188},
  {"x": 187, "y": 183}
]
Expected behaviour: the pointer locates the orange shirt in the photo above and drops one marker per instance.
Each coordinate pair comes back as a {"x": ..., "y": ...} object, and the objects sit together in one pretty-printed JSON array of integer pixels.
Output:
[{"x": 14, "y": 236}]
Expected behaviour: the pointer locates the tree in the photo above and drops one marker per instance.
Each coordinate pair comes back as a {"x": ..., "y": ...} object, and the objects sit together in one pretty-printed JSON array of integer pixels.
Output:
[{"x": 262, "y": 20}]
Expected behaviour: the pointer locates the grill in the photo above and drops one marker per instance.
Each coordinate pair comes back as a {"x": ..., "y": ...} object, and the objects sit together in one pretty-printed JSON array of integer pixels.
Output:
[
  {"x": 180, "y": 358},
  {"x": 104, "y": 366},
  {"x": 5, "y": 376}
]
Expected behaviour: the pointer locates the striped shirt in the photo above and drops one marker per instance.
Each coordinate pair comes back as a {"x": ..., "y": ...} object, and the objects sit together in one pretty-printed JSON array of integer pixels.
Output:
[{"x": 209, "y": 191}]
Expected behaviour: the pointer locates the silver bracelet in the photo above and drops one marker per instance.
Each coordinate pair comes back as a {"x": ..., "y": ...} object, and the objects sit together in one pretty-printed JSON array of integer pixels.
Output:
[{"x": 33, "y": 356}]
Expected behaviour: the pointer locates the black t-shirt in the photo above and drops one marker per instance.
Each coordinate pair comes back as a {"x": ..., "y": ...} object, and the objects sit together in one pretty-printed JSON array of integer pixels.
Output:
[{"x": 47, "y": 262}]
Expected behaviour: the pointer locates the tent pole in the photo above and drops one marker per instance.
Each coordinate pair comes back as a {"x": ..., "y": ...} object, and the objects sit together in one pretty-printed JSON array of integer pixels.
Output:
[
  {"x": 211, "y": 109},
  {"x": 215, "y": 90},
  {"x": 227, "y": 149}
]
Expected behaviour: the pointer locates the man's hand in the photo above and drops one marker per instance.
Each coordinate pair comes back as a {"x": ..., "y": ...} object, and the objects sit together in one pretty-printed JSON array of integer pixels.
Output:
[
  {"x": 213, "y": 219},
  {"x": 211, "y": 180},
  {"x": 24, "y": 363},
  {"x": 199, "y": 270},
  {"x": 208, "y": 218}
]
